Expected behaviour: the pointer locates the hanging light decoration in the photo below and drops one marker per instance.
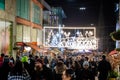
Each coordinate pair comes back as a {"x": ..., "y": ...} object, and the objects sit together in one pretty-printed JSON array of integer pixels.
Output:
[{"x": 84, "y": 40}]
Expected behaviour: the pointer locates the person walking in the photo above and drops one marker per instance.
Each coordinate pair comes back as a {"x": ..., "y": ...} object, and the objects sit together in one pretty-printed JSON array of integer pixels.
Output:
[
  {"x": 58, "y": 70},
  {"x": 68, "y": 74},
  {"x": 18, "y": 72},
  {"x": 86, "y": 73},
  {"x": 42, "y": 72},
  {"x": 103, "y": 68}
]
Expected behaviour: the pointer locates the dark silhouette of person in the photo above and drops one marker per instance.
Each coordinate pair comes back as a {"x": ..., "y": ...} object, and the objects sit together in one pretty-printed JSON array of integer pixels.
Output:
[
  {"x": 103, "y": 68},
  {"x": 31, "y": 64},
  {"x": 5, "y": 68},
  {"x": 18, "y": 72},
  {"x": 68, "y": 74},
  {"x": 86, "y": 73},
  {"x": 42, "y": 72}
]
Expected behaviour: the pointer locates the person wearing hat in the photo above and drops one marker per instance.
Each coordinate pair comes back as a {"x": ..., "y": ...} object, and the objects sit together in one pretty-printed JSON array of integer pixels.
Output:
[
  {"x": 86, "y": 73},
  {"x": 42, "y": 72}
]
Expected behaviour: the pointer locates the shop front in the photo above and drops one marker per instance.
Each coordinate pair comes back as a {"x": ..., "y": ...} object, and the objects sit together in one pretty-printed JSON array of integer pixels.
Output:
[
  {"x": 26, "y": 39},
  {"x": 27, "y": 48}
]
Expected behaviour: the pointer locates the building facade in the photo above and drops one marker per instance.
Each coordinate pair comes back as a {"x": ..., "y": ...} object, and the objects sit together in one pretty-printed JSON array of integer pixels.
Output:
[
  {"x": 29, "y": 21},
  {"x": 7, "y": 24},
  {"x": 21, "y": 23},
  {"x": 54, "y": 17}
]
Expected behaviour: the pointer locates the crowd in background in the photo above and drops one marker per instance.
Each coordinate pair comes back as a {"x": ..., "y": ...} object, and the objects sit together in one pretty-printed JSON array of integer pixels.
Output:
[{"x": 31, "y": 67}]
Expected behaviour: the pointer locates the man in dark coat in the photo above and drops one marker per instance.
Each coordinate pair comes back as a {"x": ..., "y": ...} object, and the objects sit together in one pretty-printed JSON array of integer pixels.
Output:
[
  {"x": 42, "y": 72},
  {"x": 103, "y": 67}
]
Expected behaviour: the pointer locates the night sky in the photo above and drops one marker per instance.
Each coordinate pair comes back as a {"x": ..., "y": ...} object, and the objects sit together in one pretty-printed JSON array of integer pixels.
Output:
[{"x": 92, "y": 14}]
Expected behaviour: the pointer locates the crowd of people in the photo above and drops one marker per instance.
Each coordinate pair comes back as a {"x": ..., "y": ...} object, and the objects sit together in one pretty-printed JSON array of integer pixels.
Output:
[{"x": 58, "y": 68}]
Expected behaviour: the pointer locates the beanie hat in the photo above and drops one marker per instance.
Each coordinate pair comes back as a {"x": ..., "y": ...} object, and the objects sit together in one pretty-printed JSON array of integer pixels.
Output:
[{"x": 85, "y": 63}]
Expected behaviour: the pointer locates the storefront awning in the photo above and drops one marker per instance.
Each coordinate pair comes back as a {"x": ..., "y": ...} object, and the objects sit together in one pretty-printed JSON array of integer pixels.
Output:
[{"x": 33, "y": 46}]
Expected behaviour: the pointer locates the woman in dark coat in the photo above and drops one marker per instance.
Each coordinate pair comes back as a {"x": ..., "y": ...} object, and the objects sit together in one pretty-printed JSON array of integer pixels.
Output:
[{"x": 86, "y": 73}]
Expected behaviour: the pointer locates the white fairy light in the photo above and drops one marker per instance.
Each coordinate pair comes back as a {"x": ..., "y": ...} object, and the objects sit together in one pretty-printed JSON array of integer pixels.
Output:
[{"x": 83, "y": 41}]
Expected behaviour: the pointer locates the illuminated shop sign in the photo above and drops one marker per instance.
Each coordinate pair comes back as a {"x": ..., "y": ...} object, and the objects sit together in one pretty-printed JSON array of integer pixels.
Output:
[{"x": 71, "y": 37}]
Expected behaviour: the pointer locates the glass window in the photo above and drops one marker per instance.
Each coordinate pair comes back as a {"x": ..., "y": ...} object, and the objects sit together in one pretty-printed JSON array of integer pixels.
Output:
[
  {"x": 23, "y": 7},
  {"x": 2, "y": 4},
  {"x": 36, "y": 14}
]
